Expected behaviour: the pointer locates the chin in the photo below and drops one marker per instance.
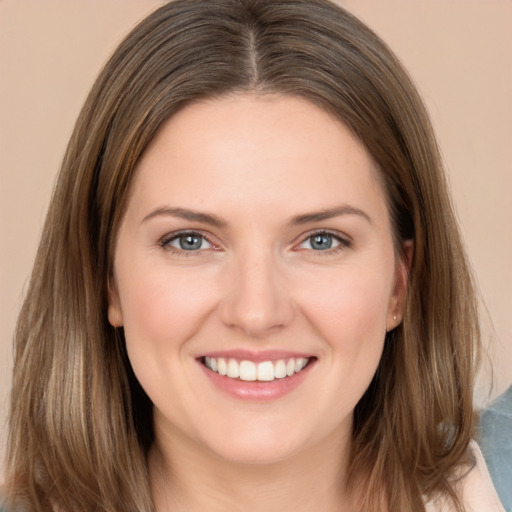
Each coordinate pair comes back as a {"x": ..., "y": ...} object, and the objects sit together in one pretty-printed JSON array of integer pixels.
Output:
[
  {"x": 260, "y": 445},
  {"x": 260, "y": 454}
]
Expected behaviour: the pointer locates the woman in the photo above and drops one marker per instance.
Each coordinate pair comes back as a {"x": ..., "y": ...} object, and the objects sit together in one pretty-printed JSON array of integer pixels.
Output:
[{"x": 250, "y": 291}]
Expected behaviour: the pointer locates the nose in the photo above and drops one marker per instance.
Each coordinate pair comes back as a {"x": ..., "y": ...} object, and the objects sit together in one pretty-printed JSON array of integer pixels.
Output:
[{"x": 256, "y": 299}]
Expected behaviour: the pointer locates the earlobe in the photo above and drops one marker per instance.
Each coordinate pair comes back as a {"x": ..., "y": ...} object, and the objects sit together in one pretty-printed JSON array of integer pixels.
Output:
[
  {"x": 115, "y": 316},
  {"x": 397, "y": 302}
]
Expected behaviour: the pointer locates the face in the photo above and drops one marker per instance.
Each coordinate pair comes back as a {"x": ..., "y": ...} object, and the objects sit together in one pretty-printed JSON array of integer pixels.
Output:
[{"x": 255, "y": 277}]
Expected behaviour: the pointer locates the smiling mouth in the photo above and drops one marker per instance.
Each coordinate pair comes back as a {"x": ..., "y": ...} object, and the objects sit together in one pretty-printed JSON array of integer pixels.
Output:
[{"x": 249, "y": 371}]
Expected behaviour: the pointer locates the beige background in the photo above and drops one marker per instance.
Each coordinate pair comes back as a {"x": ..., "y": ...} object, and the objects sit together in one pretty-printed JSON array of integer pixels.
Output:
[{"x": 458, "y": 51}]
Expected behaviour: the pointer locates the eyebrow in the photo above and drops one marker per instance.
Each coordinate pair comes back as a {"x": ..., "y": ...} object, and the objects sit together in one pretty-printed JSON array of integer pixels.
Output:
[
  {"x": 183, "y": 213},
  {"x": 213, "y": 220},
  {"x": 329, "y": 213}
]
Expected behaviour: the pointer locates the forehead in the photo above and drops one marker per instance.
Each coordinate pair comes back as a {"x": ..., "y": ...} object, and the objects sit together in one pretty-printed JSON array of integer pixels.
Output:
[{"x": 260, "y": 149}]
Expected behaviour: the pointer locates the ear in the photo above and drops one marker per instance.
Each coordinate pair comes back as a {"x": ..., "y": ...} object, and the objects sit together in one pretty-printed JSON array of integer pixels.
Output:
[
  {"x": 115, "y": 314},
  {"x": 397, "y": 299}
]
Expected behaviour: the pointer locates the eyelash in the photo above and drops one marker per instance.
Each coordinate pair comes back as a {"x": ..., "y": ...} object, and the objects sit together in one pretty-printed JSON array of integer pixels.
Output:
[
  {"x": 164, "y": 242},
  {"x": 343, "y": 242}
]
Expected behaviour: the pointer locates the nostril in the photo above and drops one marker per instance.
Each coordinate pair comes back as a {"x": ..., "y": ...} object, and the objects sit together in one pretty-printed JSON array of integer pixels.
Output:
[{"x": 257, "y": 317}]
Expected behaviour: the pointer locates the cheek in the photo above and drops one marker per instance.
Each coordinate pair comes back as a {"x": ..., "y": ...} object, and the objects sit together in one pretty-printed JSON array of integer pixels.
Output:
[
  {"x": 349, "y": 307},
  {"x": 162, "y": 309},
  {"x": 349, "y": 313},
  {"x": 347, "y": 310}
]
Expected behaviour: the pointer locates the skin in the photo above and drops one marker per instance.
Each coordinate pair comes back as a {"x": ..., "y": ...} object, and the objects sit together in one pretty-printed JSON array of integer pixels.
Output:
[{"x": 256, "y": 163}]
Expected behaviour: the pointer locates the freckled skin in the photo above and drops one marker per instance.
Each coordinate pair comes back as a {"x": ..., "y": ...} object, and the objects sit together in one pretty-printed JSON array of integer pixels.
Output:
[{"x": 256, "y": 162}]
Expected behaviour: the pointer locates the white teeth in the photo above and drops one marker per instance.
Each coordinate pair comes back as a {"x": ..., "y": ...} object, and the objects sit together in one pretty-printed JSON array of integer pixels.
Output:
[
  {"x": 247, "y": 370},
  {"x": 233, "y": 369},
  {"x": 222, "y": 366},
  {"x": 266, "y": 371},
  {"x": 280, "y": 369},
  {"x": 300, "y": 363}
]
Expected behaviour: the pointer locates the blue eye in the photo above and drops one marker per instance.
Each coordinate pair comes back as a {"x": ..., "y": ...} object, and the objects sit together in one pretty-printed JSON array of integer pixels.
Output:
[
  {"x": 187, "y": 242},
  {"x": 323, "y": 242}
]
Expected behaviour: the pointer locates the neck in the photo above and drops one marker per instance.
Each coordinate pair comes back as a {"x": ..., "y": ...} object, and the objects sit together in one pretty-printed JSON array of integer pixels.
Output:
[{"x": 188, "y": 477}]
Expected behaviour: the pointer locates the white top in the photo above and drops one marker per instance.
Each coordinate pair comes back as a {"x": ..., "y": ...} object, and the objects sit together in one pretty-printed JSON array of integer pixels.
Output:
[{"x": 478, "y": 491}]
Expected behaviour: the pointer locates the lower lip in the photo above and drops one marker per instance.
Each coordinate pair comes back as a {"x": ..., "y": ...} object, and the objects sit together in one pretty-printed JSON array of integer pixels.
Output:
[{"x": 257, "y": 391}]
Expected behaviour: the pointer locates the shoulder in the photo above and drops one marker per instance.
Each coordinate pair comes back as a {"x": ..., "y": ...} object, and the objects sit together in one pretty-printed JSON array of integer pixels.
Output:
[
  {"x": 476, "y": 488},
  {"x": 495, "y": 441}
]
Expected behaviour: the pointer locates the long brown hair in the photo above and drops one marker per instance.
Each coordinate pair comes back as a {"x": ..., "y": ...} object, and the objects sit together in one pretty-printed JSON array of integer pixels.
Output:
[{"x": 80, "y": 426}]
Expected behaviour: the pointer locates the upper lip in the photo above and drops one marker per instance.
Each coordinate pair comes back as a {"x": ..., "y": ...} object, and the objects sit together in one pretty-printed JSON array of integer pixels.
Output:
[{"x": 256, "y": 356}]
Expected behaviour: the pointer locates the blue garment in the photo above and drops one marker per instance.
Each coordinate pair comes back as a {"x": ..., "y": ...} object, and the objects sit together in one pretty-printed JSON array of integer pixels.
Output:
[{"x": 495, "y": 441}]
